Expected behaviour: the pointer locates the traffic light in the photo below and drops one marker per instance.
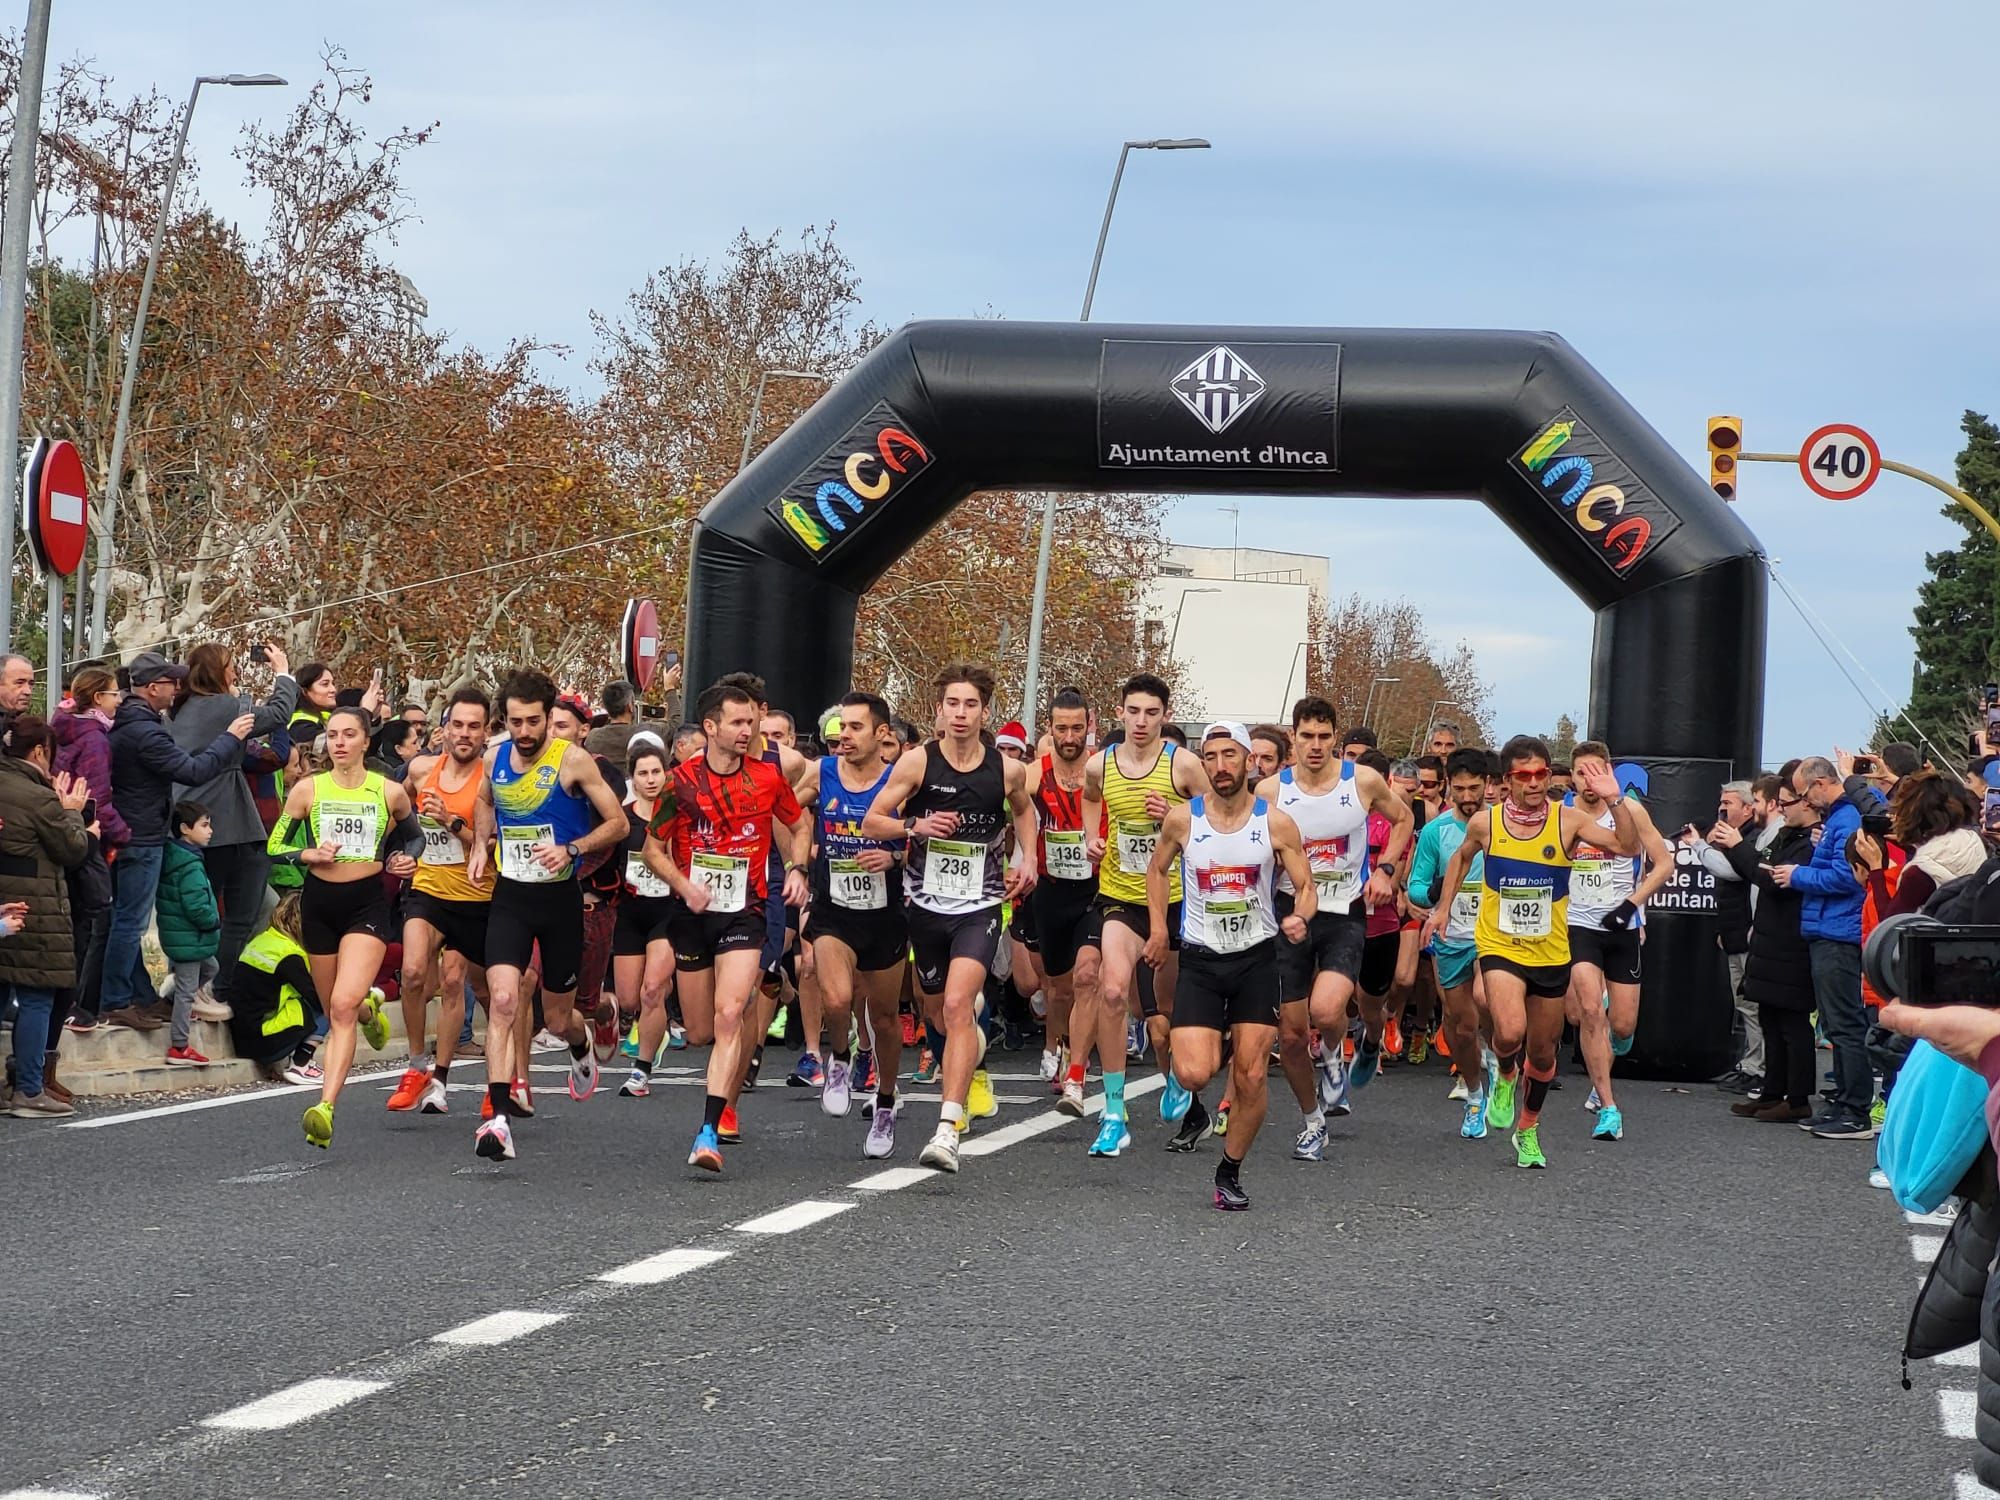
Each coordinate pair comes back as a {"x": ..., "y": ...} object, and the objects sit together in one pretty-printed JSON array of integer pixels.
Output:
[{"x": 1725, "y": 437}]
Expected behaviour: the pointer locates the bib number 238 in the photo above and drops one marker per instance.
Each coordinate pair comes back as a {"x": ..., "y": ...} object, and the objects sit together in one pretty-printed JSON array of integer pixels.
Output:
[{"x": 954, "y": 870}]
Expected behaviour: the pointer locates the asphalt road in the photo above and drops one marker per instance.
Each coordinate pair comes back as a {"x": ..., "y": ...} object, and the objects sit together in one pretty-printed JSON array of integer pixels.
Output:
[{"x": 1709, "y": 1307}]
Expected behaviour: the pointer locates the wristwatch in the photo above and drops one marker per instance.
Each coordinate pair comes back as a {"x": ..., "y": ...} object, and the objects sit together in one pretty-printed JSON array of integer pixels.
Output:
[
  {"x": 570, "y": 850},
  {"x": 1388, "y": 867},
  {"x": 457, "y": 824}
]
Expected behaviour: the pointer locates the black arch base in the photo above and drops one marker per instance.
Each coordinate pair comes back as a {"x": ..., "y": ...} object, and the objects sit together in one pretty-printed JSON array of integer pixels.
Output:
[{"x": 781, "y": 557}]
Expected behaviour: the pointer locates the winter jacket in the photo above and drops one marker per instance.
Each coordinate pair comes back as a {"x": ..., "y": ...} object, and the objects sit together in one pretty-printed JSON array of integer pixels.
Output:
[
  {"x": 190, "y": 924},
  {"x": 227, "y": 796},
  {"x": 83, "y": 748},
  {"x": 1832, "y": 909},
  {"x": 1732, "y": 891},
  {"x": 1931, "y": 866},
  {"x": 146, "y": 764},
  {"x": 40, "y": 840},
  {"x": 1778, "y": 971}
]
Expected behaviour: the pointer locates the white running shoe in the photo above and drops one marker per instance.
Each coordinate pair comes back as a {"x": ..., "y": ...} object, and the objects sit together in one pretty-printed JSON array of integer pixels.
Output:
[
  {"x": 637, "y": 1086},
  {"x": 1071, "y": 1103},
  {"x": 1050, "y": 1063},
  {"x": 836, "y": 1095},
  {"x": 942, "y": 1150},
  {"x": 582, "y": 1076},
  {"x": 1459, "y": 1090},
  {"x": 435, "y": 1100},
  {"x": 493, "y": 1140},
  {"x": 1593, "y": 1103},
  {"x": 547, "y": 1041},
  {"x": 881, "y": 1139}
]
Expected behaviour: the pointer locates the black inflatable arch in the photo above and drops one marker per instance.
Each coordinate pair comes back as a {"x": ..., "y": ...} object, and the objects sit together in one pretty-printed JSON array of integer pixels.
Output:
[{"x": 781, "y": 557}]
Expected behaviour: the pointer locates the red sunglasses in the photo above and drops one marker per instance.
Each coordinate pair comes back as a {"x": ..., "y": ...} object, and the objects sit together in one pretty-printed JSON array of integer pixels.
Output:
[{"x": 1532, "y": 778}]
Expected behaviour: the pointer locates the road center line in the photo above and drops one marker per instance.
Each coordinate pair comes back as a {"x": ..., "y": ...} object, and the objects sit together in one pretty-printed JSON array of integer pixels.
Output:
[
  {"x": 294, "y": 1404},
  {"x": 662, "y": 1267},
  {"x": 794, "y": 1216},
  {"x": 49, "y": 1495},
  {"x": 890, "y": 1179},
  {"x": 1957, "y": 1411},
  {"x": 1925, "y": 1247},
  {"x": 498, "y": 1328}
]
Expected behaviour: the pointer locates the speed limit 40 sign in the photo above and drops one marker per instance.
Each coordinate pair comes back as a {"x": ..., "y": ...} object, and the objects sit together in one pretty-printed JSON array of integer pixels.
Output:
[{"x": 1840, "y": 461}]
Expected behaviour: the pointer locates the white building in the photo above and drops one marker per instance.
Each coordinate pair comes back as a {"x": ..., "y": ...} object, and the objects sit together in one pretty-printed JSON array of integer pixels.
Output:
[{"x": 1235, "y": 620}]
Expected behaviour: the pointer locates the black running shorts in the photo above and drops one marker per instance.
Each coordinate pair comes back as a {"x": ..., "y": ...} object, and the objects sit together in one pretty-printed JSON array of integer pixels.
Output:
[
  {"x": 329, "y": 911},
  {"x": 1378, "y": 962},
  {"x": 878, "y": 939},
  {"x": 460, "y": 925},
  {"x": 643, "y": 921},
  {"x": 1544, "y": 981},
  {"x": 1616, "y": 953},
  {"x": 936, "y": 940},
  {"x": 1335, "y": 942},
  {"x": 1221, "y": 990},
  {"x": 698, "y": 938},
  {"x": 1066, "y": 922},
  {"x": 1139, "y": 917},
  {"x": 530, "y": 914}
]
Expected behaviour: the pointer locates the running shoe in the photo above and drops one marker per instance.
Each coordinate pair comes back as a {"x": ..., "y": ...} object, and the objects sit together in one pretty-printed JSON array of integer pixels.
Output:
[
  {"x": 304, "y": 1073},
  {"x": 1610, "y": 1125},
  {"x": 861, "y": 1072},
  {"x": 707, "y": 1152},
  {"x": 1595, "y": 1102},
  {"x": 1500, "y": 1104},
  {"x": 546, "y": 1041},
  {"x": 604, "y": 1029},
  {"x": 1419, "y": 1050},
  {"x": 677, "y": 1037},
  {"x": 1392, "y": 1038},
  {"x": 1174, "y": 1100},
  {"x": 979, "y": 1101},
  {"x": 638, "y": 1086},
  {"x": 808, "y": 1074},
  {"x": 582, "y": 1076},
  {"x": 1878, "y": 1112},
  {"x": 1877, "y": 1178},
  {"x": 1473, "y": 1126},
  {"x": 1135, "y": 1041},
  {"x": 927, "y": 1068},
  {"x": 1113, "y": 1136},
  {"x": 185, "y": 1057},
  {"x": 80, "y": 1023},
  {"x": 436, "y": 1100},
  {"x": 1332, "y": 1076},
  {"x": 881, "y": 1138},
  {"x": 1440, "y": 1044},
  {"x": 1528, "y": 1148},
  {"x": 941, "y": 1151},
  {"x": 521, "y": 1100},
  {"x": 1492, "y": 1063},
  {"x": 1221, "y": 1125},
  {"x": 1458, "y": 1089},
  {"x": 630, "y": 1046},
  {"x": 1620, "y": 1045},
  {"x": 374, "y": 1020},
  {"x": 1342, "y": 1104},
  {"x": 410, "y": 1089},
  {"x": 775, "y": 1032},
  {"x": 1311, "y": 1144},
  {"x": 729, "y": 1130},
  {"x": 838, "y": 1096},
  {"x": 1229, "y": 1195},
  {"x": 319, "y": 1125},
  {"x": 1193, "y": 1129},
  {"x": 494, "y": 1139},
  {"x": 1367, "y": 1063},
  {"x": 1071, "y": 1103},
  {"x": 910, "y": 1037},
  {"x": 756, "y": 1066},
  {"x": 1050, "y": 1068}
]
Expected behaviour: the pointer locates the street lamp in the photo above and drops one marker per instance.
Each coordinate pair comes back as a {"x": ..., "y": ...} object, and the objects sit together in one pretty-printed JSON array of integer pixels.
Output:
[
  {"x": 1180, "y": 608},
  {"x": 101, "y": 582},
  {"x": 1031, "y": 686},
  {"x": 1290, "y": 672},
  {"x": 757, "y": 404},
  {"x": 1368, "y": 709}
]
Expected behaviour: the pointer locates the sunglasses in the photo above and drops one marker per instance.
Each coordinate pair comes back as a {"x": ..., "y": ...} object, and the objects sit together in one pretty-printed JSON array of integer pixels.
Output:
[
  {"x": 1428, "y": 786},
  {"x": 1529, "y": 778},
  {"x": 1784, "y": 801}
]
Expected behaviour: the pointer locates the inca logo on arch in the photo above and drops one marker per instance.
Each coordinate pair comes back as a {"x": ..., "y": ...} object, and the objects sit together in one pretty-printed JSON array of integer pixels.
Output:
[{"x": 844, "y": 489}]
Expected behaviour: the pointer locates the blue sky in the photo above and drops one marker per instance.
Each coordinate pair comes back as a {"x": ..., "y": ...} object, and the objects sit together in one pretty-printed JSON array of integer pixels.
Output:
[{"x": 1784, "y": 211}]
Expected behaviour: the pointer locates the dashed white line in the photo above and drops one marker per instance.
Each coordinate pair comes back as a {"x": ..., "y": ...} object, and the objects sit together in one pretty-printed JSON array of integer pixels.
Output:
[
  {"x": 890, "y": 1179},
  {"x": 1925, "y": 1247},
  {"x": 1959, "y": 1359},
  {"x": 793, "y": 1216},
  {"x": 1957, "y": 1411},
  {"x": 662, "y": 1267},
  {"x": 294, "y": 1404},
  {"x": 49, "y": 1495},
  {"x": 1968, "y": 1487},
  {"x": 498, "y": 1328}
]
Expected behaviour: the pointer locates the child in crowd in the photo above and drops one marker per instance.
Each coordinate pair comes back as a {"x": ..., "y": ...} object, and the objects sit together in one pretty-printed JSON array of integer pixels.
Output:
[
  {"x": 274, "y": 1000},
  {"x": 190, "y": 928}
]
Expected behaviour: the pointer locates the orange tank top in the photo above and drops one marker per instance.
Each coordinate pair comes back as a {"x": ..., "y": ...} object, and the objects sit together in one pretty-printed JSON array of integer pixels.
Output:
[{"x": 441, "y": 867}]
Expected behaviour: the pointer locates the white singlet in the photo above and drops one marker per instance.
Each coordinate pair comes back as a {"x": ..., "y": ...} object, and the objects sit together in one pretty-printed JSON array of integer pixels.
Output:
[
  {"x": 1599, "y": 879},
  {"x": 1226, "y": 882},
  {"x": 1334, "y": 828}
]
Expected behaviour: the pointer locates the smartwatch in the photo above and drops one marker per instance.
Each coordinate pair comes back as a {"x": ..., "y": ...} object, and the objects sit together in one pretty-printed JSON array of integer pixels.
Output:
[
  {"x": 570, "y": 850},
  {"x": 457, "y": 824}
]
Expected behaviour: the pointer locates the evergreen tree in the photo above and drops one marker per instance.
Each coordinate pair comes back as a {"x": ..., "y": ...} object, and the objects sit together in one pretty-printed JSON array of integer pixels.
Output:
[{"x": 1957, "y": 627}]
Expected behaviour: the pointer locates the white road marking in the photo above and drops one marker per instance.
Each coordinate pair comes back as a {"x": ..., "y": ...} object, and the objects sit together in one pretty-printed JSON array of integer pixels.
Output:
[
  {"x": 1960, "y": 1359},
  {"x": 294, "y": 1404},
  {"x": 1957, "y": 1412},
  {"x": 891, "y": 1178},
  {"x": 497, "y": 1328},
  {"x": 1925, "y": 1247},
  {"x": 662, "y": 1267},
  {"x": 1041, "y": 1124},
  {"x": 1968, "y": 1487},
  {"x": 275, "y": 1091},
  {"x": 794, "y": 1216},
  {"x": 49, "y": 1495}
]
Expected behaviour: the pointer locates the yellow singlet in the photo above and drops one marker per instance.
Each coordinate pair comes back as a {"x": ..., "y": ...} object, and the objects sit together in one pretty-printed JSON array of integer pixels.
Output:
[
  {"x": 1524, "y": 910},
  {"x": 1129, "y": 834}
]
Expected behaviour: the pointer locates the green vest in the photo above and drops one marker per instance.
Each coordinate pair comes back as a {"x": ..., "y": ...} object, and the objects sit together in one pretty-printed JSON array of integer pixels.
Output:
[{"x": 265, "y": 952}]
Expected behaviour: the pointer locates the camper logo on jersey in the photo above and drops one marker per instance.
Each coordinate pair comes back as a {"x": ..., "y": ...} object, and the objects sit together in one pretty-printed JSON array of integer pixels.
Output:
[
  {"x": 1218, "y": 388},
  {"x": 847, "y": 486},
  {"x": 1576, "y": 470}
]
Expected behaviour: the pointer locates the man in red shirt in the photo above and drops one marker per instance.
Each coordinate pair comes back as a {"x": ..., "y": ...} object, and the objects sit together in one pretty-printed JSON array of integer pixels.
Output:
[{"x": 710, "y": 839}]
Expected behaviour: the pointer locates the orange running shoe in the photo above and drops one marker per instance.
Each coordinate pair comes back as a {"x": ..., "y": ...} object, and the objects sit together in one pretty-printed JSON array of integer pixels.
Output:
[
  {"x": 486, "y": 1108},
  {"x": 727, "y": 1130},
  {"x": 410, "y": 1090},
  {"x": 1347, "y": 1049},
  {"x": 1441, "y": 1046},
  {"x": 1392, "y": 1039}
]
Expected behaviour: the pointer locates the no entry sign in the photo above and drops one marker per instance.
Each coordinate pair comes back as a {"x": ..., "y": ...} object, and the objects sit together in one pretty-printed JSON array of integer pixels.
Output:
[
  {"x": 1840, "y": 461},
  {"x": 58, "y": 506},
  {"x": 640, "y": 641}
]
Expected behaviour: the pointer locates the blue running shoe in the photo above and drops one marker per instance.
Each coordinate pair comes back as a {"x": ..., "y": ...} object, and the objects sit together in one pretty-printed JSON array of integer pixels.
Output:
[
  {"x": 1342, "y": 1104},
  {"x": 1593, "y": 1103},
  {"x": 1311, "y": 1144},
  {"x": 1174, "y": 1101},
  {"x": 1610, "y": 1125},
  {"x": 1473, "y": 1126},
  {"x": 1112, "y": 1137},
  {"x": 707, "y": 1153},
  {"x": 1620, "y": 1045},
  {"x": 1329, "y": 1076},
  {"x": 1367, "y": 1063}
]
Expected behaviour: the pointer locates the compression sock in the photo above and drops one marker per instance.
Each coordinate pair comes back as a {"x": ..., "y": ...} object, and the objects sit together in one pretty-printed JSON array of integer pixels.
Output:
[
  {"x": 1510, "y": 1065},
  {"x": 497, "y": 1092},
  {"x": 1197, "y": 1115},
  {"x": 1538, "y": 1092},
  {"x": 712, "y": 1107},
  {"x": 1114, "y": 1094},
  {"x": 1075, "y": 1074},
  {"x": 440, "y": 1071},
  {"x": 1226, "y": 1169},
  {"x": 885, "y": 1101},
  {"x": 844, "y": 1051},
  {"x": 577, "y": 1049}
]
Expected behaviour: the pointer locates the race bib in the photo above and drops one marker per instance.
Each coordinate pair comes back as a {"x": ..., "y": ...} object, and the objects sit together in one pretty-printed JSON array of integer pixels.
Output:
[
  {"x": 1463, "y": 923},
  {"x": 1066, "y": 856},
  {"x": 441, "y": 845},
  {"x": 1137, "y": 838},
  {"x": 1527, "y": 911},
  {"x": 857, "y": 889},
  {"x": 354, "y": 828},
  {"x": 1232, "y": 926},
  {"x": 1336, "y": 890},
  {"x": 954, "y": 871},
  {"x": 1591, "y": 883},
  {"x": 727, "y": 878},
  {"x": 516, "y": 863},
  {"x": 640, "y": 877}
]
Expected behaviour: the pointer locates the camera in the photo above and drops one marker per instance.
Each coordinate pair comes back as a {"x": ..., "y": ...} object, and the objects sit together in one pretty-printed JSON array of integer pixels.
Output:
[{"x": 1921, "y": 961}]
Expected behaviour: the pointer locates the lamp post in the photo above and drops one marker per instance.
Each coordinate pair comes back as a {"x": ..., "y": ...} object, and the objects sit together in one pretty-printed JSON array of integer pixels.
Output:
[
  {"x": 14, "y": 298},
  {"x": 100, "y": 587},
  {"x": 1368, "y": 709},
  {"x": 1031, "y": 684},
  {"x": 757, "y": 406},
  {"x": 1180, "y": 608},
  {"x": 1290, "y": 673}
]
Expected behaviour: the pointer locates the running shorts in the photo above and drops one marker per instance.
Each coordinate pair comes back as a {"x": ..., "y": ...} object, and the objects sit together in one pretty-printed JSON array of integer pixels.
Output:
[
  {"x": 878, "y": 939},
  {"x": 1334, "y": 944},
  {"x": 1455, "y": 963},
  {"x": 697, "y": 938},
  {"x": 1066, "y": 922},
  {"x": 330, "y": 910},
  {"x": 1616, "y": 953},
  {"x": 1378, "y": 962},
  {"x": 1221, "y": 990},
  {"x": 643, "y": 921},
  {"x": 1544, "y": 981},
  {"x": 1023, "y": 928},
  {"x": 937, "y": 939},
  {"x": 460, "y": 925},
  {"x": 527, "y": 913},
  {"x": 1138, "y": 917}
]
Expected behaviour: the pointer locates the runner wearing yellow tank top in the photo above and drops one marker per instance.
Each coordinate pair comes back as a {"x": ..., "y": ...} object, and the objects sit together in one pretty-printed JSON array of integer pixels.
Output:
[
  {"x": 1522, "y": 935},
  {"x": 1127, "y": 791}
]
